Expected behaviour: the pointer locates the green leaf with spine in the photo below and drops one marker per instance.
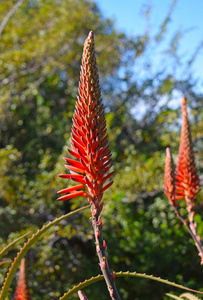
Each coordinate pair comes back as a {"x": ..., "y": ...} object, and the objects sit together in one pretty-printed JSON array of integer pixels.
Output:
[
  {"x": 27, "y": 246},
  {"x": 92, "y": 280}
]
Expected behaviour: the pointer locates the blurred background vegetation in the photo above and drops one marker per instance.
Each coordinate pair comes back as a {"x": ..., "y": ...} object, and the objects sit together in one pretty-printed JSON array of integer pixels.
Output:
[{"x": 41, "y": 44}]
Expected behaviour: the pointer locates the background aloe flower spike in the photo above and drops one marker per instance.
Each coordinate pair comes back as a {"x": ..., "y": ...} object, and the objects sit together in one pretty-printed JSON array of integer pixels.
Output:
[
  {"x": 21, "y": 292},
  {"x": 91, "y": 151},
  {"x": 185, "y": 182}
]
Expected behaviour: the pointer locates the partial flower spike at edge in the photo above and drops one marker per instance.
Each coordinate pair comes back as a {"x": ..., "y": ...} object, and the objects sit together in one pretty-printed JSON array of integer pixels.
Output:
[
  {"x": 90, "y": 149},
  {"x": 21, "y": 292}
]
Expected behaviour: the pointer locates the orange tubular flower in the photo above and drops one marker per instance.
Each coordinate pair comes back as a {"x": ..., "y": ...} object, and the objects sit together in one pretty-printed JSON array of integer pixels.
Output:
[
  {"x": 89, "y": 139},
  {"x": 187, "y": 180},
  {"x": 21, "y": 292}
]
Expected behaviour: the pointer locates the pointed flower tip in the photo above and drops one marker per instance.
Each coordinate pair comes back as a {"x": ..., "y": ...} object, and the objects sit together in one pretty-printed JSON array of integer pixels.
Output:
[
  {"x": 184, "y": 105},
  {"x": 183, "y": 100},
  {"x": 82, "y": 295},
  {"x": 91, "y": 35},
  {"x": 168, "y": 152},
  {"x": 169, "y": 158}
]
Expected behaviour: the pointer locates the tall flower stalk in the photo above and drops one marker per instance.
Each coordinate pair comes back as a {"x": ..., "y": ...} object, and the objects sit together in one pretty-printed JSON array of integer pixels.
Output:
[
  {"x": 90, "y": 149},
  {"x": 184, "y": 182}
]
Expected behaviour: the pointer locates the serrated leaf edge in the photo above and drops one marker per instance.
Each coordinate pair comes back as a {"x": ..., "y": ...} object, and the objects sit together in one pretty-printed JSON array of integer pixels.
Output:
[{"x": 88, "y": 282}]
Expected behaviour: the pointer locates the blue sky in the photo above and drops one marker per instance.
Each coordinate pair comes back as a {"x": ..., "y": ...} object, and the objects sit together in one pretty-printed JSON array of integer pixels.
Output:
[{"x": 128, "y": 17}]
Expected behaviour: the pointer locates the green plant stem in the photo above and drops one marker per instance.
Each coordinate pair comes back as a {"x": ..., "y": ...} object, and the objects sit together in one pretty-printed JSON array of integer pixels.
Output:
[
  {"x": 101, "y": 252},
  {"x": 193, "y": 226}
]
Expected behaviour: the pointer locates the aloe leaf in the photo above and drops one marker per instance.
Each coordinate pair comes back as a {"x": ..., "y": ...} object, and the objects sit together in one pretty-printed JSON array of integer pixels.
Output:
[
  {"x": 9, "y": 246},
  {"x": 123, "y": 274},
  {"x": 27, "y": 246}
]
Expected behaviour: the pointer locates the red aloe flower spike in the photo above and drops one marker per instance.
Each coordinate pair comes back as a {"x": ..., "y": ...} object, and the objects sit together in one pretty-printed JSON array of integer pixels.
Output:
[
  {"x": 21, "y": 292},
  {"x": 89, "y": 142},
  {"x": 171, "y": 189},
  {"x": 187, "y": 180},
  {"x": 82, "y": 295}
]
